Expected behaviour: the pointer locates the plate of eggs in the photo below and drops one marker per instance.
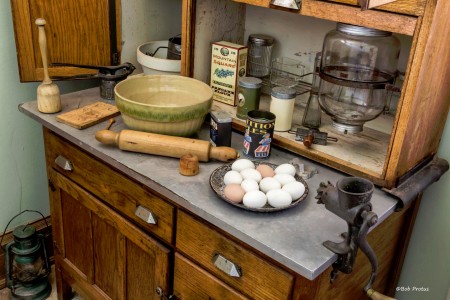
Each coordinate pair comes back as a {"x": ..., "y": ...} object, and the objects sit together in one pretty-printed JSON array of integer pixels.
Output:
[{"x": 259, "y": 186}]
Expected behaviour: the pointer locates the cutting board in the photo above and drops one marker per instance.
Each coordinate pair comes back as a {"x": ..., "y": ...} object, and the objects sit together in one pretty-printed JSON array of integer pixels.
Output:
[{"x": 88, "y": 115}]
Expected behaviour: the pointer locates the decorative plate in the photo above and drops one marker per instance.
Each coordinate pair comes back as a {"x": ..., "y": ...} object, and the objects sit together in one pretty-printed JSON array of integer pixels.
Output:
[{"x": 217, "y": 184}]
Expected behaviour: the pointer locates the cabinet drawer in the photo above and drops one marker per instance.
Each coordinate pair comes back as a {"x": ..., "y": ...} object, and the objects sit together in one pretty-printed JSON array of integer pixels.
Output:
[
  {"x": 192, "y": 282},
  {"x": 127, "y": 197},
  {"x": 231, "y": 262}
]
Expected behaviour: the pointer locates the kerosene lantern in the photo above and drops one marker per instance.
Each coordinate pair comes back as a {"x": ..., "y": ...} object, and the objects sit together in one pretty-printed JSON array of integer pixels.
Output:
[
  {"x": 358, "y": 65},
  {"x": 27, "y": 265}
]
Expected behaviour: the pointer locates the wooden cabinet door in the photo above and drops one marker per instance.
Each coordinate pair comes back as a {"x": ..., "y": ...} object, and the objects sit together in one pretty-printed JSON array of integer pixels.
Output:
[
  {"x": 99, "y": 253},
  {"x": 78, "y": 32}
]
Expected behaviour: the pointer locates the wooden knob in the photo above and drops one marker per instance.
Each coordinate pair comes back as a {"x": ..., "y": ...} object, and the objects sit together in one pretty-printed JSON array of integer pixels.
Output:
[
  {"x": 189, "y": 165},
  {"x": 308, "y": 140},
  {"x": 40, "y": 22}
]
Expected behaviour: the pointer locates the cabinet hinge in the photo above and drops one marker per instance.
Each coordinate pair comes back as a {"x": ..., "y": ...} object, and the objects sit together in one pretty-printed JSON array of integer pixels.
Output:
[{"x": 115, "y": 58}]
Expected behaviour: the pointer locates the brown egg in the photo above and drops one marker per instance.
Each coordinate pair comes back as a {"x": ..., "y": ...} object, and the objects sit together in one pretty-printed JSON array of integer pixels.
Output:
[
  {"x": 265, "y": 170},
  {"x": 234, "y": 192}
]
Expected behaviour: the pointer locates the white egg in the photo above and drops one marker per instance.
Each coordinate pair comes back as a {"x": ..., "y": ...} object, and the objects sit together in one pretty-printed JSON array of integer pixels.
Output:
[
  {"x": 278, "y": 198},
  {"x": 249, "y": 185},
  {"x": 242, "y": 164},
  {"x": 255, "y": 199},
  {"x": 285, "y": 169},
  {"x": 269, "y": 183},
  {"x": 232, "y": 177},
  {"x": 284, "y": 178},
  {"x": 251, "y": 174},
  {"x": 296, "y": 189}
]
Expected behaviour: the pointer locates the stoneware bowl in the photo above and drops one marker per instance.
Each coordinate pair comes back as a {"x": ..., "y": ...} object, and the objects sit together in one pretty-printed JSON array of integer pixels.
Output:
[
  {"x": 158, "y": 63},
  {"x": 164, "y": 104}
]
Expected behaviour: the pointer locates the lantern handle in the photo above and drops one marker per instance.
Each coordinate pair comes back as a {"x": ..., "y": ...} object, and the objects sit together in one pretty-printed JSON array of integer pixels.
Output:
[{"x": 26, "y": 210}]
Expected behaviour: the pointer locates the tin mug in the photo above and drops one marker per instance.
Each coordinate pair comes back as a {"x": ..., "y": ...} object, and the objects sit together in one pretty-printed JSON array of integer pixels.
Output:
[{"x": 258, "y": 133}]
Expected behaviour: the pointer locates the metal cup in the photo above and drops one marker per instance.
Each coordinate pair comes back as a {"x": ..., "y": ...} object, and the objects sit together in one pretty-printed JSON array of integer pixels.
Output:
[{"x": 258, "y": 133}]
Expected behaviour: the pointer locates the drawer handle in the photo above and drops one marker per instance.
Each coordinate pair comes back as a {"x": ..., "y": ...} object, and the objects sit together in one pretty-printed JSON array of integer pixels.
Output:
[
  {"x": 145, "y": 214},
  {"x": 291, "y": 4},
  {"x": 227, "y": 266},
  {"x": 64, "y": 163}
]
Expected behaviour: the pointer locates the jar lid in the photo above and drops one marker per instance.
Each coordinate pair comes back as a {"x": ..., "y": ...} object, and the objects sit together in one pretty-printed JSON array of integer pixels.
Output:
[
  {"x": 250, "y": 82},
  {"x": 282, "y": 92},
  {"x": 221, "y": 116},
  {"x": 359, "y": 30},
  {"x": 260, "y": 39}
]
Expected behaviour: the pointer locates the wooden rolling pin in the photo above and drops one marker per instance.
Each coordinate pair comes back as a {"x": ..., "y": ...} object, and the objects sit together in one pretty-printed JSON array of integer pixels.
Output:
[{"x": 158, "y": 144}]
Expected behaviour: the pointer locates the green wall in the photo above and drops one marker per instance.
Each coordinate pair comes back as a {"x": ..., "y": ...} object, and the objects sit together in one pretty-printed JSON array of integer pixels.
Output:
[
  {"x": 22, "y": 170},
  {"x": 23, "y": 184}
]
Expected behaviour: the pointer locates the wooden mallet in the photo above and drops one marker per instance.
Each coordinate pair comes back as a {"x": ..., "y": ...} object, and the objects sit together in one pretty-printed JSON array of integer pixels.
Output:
[{"x": 48, "y": 97}]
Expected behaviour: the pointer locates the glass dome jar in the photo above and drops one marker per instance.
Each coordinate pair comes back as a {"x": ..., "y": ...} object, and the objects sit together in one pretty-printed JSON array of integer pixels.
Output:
[{"x": 357, "y": 65}]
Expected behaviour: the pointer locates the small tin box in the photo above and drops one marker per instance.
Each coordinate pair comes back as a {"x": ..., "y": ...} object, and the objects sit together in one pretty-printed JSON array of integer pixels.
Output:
[{"x": 220, "y": 129}]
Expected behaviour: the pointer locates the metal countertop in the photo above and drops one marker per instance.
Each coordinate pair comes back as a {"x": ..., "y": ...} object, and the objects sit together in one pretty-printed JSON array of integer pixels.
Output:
[{"x": 292, "y": 237}]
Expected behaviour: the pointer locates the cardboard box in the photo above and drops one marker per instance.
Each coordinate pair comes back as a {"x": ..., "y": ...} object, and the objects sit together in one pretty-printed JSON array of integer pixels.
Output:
[{"x": 228, "y": 64}]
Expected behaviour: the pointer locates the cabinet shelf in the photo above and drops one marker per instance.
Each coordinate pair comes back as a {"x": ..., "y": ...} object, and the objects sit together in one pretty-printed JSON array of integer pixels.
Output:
[
  {"x": 337, "y": 12},
  {"x": 361, "y": 154}
]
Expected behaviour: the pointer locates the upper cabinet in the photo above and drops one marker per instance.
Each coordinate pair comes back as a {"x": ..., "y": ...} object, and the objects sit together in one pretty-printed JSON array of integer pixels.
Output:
[
  {"x": 78, "y": 32},
  {"x": 388, "y": 151}
]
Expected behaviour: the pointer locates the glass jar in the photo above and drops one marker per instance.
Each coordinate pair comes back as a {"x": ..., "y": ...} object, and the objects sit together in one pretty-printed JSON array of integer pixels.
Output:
[
  {"x": 312, "y": 115},
  {"x": 248, "y": 96},
  {"x": 357, "y": 64},
  {"x": 282, "y": 106},
  {"x": 259, "y": 55}
]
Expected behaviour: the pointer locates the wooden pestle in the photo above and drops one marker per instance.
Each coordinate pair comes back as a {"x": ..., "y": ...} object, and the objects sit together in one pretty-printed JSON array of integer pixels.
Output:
[{"x": 48, "y": 96}]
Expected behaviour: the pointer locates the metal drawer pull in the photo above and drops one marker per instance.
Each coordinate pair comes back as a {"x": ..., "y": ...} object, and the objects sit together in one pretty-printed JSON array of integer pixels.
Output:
[
  {"x": 227, "y": 266},
  {"x": 291, "y": 4},
  {"x": 145, "y": 214},
  {"x": 64, "y": 163}
]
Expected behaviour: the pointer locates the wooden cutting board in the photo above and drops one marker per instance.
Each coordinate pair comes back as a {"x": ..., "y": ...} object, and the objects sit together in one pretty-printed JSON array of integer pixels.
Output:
[{"x": 88, "y": 115}]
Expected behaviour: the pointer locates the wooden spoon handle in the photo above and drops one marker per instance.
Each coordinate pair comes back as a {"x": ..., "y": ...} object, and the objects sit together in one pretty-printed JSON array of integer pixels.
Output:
[{"x": 43, "y": 47}]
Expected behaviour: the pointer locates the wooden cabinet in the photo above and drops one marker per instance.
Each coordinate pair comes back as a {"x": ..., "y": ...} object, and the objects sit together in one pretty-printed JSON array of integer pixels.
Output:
[
  {"x": 104, "y": 251},
  {"x": 386, "y": 157},
  {"x": 78, "y": 32},
  {"x": 99, "y": 252}
]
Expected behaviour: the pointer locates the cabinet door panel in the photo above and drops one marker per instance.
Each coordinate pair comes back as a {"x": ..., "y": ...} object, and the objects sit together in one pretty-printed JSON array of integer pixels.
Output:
[
  {"x": 81, "y": 32},
  {"x": 107, "y": 244},
  {"x": 105, "y": 254},
  {"x": 75, "y": 230}
]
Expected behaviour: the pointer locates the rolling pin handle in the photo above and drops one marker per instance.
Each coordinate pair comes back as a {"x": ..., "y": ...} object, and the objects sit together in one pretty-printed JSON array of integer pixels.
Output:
[
  {"x": 223, "y": 153},
  {"x": 107, "y": 137}
]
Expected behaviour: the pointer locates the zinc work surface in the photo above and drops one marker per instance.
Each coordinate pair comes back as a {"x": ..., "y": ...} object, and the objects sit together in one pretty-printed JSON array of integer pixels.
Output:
[{"x": 292, "y": 237}]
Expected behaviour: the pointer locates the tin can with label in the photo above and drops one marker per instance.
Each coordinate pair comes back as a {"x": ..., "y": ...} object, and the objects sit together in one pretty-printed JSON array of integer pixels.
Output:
[
  {"x": 258, "y": 133},
  {"x": 249, "y": 96},
  {"x": 220, "y": 129}
]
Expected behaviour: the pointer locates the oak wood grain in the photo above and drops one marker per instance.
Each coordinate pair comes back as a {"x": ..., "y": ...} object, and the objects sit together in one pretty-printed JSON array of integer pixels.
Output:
[
  {"x": 201, "y": 243},
  {"x": 426, "y": 97},
  {"x": 338, "y": 12},
  {"x": 192, "y": 282},
  {"x": 407, "y": 7},
  {"x": 78, "y": 32},
  {"x": 117, "y": 190}
]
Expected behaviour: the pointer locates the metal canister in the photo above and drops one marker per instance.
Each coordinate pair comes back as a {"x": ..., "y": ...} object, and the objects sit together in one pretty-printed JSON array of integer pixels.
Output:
[
  {"x": 248, "y": 96},
  {"x": 259, "y": 133},
  {"x": 220, "y": 129}
]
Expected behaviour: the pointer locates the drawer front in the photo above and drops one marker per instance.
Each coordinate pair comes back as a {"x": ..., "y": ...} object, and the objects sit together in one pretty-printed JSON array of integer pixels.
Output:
[
  {"x": 407, "y": 7},
  {"x": 145, "y": 209},
  {"x": 192, "y": 282},
  {"x": 231, "y": 262}
]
